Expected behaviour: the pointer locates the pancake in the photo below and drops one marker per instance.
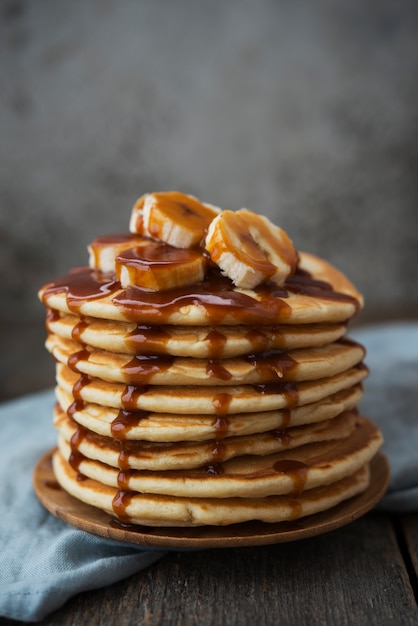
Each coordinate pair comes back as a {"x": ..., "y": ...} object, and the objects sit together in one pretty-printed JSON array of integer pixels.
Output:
[
  {"x": 163, "y": 427},
  {"x": 209, "y": 382},
  {"x": 207, "y": 400},
  {"x": 319, "y": 293},
  {"x": 198, "y": 342},
  {"x": 157, "y": 510},
  {"x": 143, "y": 455},
  {"x": 289, "y": 472},
  {"x": 265, "y": 367}
]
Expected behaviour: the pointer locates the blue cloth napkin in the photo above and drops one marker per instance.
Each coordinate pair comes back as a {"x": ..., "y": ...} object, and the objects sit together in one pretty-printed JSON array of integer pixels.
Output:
[
  {"x": 391, "y": 401},
  {"x": 44, "y": 561}
]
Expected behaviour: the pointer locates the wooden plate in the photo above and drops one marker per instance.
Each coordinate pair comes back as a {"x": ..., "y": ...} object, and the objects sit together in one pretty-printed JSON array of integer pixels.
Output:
[{"x": 88, "y": 518}]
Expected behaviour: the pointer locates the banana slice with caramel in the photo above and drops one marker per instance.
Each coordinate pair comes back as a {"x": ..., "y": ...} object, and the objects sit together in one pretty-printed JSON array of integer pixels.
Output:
[
  {"x": 175, "y": 218},
  {"x": 158, "y": 266},
  {"x": 250, "y": 249}
]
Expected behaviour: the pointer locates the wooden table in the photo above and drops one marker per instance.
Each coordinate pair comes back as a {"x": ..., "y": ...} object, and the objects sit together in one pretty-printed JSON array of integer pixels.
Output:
[{"x": 364, "y": 574}]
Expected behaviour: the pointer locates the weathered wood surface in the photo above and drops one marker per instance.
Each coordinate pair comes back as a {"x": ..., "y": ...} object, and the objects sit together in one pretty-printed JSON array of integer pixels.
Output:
[
  {"x": 409, "y": 529},
  {"x": 356, "y": 575}
]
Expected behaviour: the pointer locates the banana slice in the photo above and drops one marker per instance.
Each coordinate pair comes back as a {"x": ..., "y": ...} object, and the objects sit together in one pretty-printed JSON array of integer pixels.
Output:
[
  {"x": 104, "y": 250},
  {"x": 157, "y": 266},
  {"x": 250, "y": 249},
  {"x": 172, "y": 217}
]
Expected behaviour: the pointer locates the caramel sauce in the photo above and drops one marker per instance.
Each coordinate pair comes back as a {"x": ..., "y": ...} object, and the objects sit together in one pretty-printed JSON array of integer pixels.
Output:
[
  {"x": 184, "y": 210},
  {"x": 77, "y": 405},
  {"x": 52, "y": 315},
  {"x": 77, "y": 331},
  {"x": 214, "y": 469},
  {"x": 215, "y": 295},
  {"x": 123, "y": 458},
  {"x": 281, "y": 435},
  {"x": 76, "y": 357},
  {"x": 121, "y": 240},
  {"x": 252, "y": 228},
  {"x": 221, "y": 403},
  {"x": 82, "y": 284},
  {"x": 141, "y": 368},
  {"x": 258, "y": 339},
  {"x": 289, "y": 390},
  {"x": 130, "y": 396},
  {"x": 76, "y": 457},
  {"x": 156, "y": 254},
  {"x": 125, "y": 421},
  {"x": 120, "y": 503},
  {"x": 148, "y": 340},
  {"x": 304, "y": 284},
  {"x": 297, "y": 472},
  {"x": 216, "y": 341},
  {"x": 215, "y": 369},
  {"x": 79, "y": 386},
  {"x": 221, "y": 426},
  {"x": 272, "y": 364}
]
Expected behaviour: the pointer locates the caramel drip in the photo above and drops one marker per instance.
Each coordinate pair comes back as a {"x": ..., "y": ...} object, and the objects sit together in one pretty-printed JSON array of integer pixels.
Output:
[
  {"x": 115, "y": 240},
  {"x": 303, "y": 283},
  {"x": 141, "y": 368},
  {"x": 216, "y": 341},
  {"x": 156, "y": 254},
  {"x": 215, "y": 369},
  {"x": 120, "y": 503},
  {"x": 76, "y": 457},
  {"x": 281, "y": 435},
  {"x": 79, "y": 385},
  {"x": 221, "y": 403},
  {"x": 215, "y": 295},
  {"x": 148, "y": 340},
  {"x": 130, "y": 396},
  {"x": 214, "y": 469},
  {"x": 258, "y": 339},
  {"x": 125, "y": 421},
  {"x": 289, "y": 390},
  {"x": 76, "y": 357},
  {"x": 272, "y": 364},
  {"x": 297, "y": 472},
  {"x": 52, "y": 315},
  {"x": 77, "y": 331},
  {"x": 81, "y": 285}
]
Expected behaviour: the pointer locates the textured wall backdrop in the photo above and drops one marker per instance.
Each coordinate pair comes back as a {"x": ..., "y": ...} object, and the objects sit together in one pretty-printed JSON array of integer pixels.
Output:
[{"x": 306, "y": 112}]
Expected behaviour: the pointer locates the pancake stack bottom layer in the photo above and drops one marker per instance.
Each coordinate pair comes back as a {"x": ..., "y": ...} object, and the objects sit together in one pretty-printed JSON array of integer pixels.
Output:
[{"x": 184, "y": 399}]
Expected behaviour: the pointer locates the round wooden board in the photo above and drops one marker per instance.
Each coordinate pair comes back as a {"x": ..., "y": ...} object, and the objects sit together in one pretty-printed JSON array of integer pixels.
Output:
[{"x": 88, "y": 518}]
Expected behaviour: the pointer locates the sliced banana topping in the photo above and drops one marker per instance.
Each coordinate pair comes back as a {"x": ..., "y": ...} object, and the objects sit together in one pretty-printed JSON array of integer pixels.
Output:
[
  {"x": 157, "y": 266},
  {"x": 175, "y": 218},
  {"x": 104, "y": 250},
  {"x": 171, "y": 234},
  {"x": 250, "y": 249}
]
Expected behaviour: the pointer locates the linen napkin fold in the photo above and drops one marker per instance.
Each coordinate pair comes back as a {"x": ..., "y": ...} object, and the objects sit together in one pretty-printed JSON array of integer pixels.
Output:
[
  {"x": 44, "y": 561},
  {"x": 391, "y": 401}
]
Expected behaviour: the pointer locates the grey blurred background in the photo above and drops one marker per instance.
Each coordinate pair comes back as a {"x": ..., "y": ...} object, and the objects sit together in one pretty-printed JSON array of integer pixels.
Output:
[{"x": 304, "y": 111}]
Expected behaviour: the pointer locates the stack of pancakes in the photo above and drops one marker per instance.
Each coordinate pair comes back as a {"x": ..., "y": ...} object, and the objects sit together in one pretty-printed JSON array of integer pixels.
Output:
[{"x": 207, "y": 404}]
